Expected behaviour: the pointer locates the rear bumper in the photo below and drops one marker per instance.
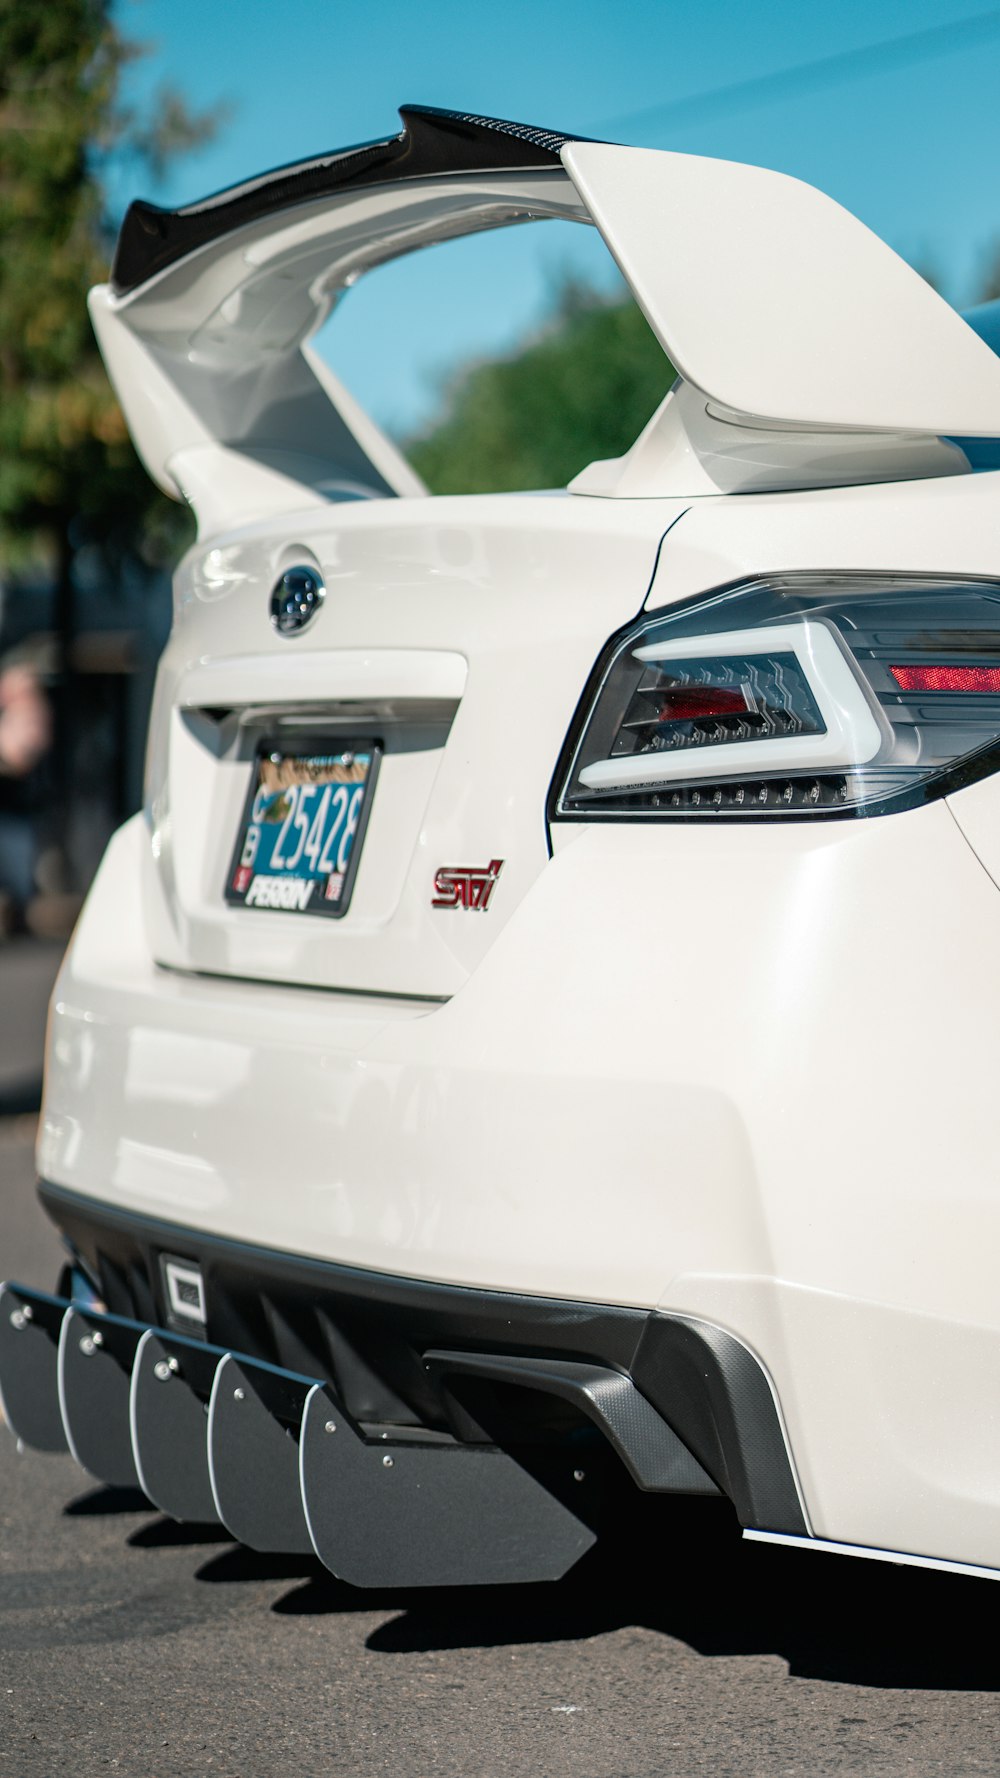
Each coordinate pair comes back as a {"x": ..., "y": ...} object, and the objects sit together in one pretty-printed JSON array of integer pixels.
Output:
[
  {"x": 690, "y": 1075},
  {"x": 685, "y": 1406},
  {"x": 479, "y": 1140}
]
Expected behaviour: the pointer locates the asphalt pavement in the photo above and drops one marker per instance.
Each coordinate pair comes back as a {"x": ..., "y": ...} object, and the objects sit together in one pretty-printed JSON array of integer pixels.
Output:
[{"x": 132, "y": 1645}]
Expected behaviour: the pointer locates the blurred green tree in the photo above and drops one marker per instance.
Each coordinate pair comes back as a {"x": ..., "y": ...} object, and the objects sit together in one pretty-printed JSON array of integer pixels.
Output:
[
  {"x": 68, "y": 472},
  {"x": 583, "y": 388},
  {"x": 69, "y": 477}
]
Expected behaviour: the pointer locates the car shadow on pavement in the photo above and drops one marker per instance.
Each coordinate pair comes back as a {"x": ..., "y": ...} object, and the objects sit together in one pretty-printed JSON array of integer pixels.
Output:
[
  {"x": 684, "y": 1573},
  {"x": 164, "y": 1534},
  {"x": 240, "y": 1564},
  {"x": 104, "y": 1500},
  {"x": 678, "y": 1569}
]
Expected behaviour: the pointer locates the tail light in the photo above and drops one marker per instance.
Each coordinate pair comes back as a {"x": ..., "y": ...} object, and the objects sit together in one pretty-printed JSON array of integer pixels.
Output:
[{"x": 797, "y": 695}]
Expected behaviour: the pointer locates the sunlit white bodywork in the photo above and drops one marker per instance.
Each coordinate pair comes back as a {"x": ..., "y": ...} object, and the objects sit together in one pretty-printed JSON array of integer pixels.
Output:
[{"x": 742, "y": 1073}]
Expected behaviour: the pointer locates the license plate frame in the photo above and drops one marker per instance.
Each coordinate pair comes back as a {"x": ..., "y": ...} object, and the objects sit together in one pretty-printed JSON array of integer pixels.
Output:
[{"x": 343, "y": 753}]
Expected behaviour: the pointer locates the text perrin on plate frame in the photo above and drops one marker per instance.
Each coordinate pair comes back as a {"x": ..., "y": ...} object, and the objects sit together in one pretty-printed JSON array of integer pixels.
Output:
[{"x": 303, "y": 824}]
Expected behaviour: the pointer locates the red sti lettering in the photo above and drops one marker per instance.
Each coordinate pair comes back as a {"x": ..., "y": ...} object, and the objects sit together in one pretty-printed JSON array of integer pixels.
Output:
[{"x": 465, "y": 886}]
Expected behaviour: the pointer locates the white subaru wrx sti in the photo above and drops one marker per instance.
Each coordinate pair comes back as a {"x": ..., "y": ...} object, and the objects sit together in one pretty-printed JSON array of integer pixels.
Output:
[{"x": 540, "y": 1035}]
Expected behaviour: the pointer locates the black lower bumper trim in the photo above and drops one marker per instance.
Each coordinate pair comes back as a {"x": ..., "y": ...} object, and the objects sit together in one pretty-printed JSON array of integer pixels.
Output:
[
  {"x": 368, "y": 1335},
  {"x": 656, "y": 1459},
  {"x": 716, "y": 1395}
]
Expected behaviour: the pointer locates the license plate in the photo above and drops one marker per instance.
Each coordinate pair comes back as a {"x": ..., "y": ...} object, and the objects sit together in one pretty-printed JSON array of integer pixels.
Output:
[{"x": 303, "y": 824}]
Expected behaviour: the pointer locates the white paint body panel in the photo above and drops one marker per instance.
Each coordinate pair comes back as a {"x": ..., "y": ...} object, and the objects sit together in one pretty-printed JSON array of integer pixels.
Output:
[
  {"x": 777, "y": 303},
  {"x": 493, "y": 608}
]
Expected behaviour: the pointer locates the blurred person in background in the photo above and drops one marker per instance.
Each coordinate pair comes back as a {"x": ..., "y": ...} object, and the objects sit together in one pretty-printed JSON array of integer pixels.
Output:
[{"x": 25, "y": 738}]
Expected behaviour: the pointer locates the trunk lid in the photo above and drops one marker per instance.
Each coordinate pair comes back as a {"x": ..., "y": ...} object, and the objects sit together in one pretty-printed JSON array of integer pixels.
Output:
[{"x": 457, "y": 634}]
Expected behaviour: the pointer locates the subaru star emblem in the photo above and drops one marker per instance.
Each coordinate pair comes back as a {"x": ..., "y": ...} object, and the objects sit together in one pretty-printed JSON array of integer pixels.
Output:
[{"x": 295, "y": 600}]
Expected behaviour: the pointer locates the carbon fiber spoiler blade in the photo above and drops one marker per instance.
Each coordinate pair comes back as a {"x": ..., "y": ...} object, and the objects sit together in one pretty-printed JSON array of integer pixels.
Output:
[{"x": 432, "y": 142}]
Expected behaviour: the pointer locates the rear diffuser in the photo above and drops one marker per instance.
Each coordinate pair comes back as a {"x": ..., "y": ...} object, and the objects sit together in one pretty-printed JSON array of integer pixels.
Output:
[
  {"x": 215, "y": 1437},
  {"x": 96, "y": 1354},
  {"x": 171, "y": 1384},
  {"x": 253, "y": 1453},
  {"x": 29, "y": 1387},
  {"x": 410, "y": 1514}
]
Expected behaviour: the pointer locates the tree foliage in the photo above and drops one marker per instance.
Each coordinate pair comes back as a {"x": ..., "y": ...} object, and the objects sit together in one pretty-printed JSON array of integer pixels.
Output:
[
  {"x": 67, "y": 468},
  {"x": 583, "y": 388}
]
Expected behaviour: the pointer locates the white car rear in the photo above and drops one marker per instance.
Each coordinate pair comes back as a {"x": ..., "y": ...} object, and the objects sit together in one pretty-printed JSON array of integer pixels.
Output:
[{"x": 537, "y": 1039}]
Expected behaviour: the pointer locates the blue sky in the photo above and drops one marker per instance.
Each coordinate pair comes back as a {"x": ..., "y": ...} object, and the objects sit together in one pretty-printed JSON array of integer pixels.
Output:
[{"x": 909, "y": 141}]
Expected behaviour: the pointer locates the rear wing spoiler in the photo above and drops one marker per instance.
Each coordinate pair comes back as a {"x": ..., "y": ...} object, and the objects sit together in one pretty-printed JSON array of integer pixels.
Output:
[{"x": 807, "y": 351}]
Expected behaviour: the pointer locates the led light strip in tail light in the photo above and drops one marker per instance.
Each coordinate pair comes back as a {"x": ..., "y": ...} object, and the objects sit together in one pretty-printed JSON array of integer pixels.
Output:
[{"x": 801, "y": 695}]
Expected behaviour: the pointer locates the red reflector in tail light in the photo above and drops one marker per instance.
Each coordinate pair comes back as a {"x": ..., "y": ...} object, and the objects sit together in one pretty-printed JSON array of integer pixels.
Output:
[
  {"x": 689, "y": 702},
  {"x": 947, "y": 678},
  {"x": 792, "y": 697}
]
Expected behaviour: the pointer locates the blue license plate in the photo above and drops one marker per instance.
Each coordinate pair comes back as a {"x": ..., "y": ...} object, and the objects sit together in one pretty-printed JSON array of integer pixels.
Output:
[{"x": 303, "y": 824}]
